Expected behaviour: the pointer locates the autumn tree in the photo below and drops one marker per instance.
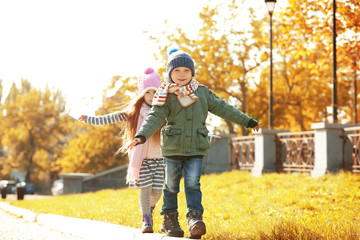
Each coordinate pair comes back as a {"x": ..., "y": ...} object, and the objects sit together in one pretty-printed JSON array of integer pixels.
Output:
[
  {"x": 348, "y": 48},
  {"x": 304, "y": 60},
  {"x": 93, "y": 149},
  {"x": 33, "y": 127},
  {"x": 230, "y": 59},
  {"x": 227, "y": 53}
]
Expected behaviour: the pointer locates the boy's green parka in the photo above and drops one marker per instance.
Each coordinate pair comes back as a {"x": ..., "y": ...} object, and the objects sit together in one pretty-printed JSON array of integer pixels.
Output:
[{"x": 185, "y": 133}]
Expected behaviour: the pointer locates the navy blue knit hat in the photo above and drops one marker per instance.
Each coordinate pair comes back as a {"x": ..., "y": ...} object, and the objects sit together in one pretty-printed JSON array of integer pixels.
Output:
[{"x": 176, "y": 59}]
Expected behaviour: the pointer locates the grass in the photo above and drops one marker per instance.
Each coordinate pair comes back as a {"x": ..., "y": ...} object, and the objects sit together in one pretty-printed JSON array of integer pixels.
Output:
[{"x": 237, "y": 206}]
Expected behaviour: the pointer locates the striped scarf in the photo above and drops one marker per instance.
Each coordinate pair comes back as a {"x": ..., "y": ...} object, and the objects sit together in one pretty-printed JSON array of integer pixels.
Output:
[{"x": 185, "y": 94}]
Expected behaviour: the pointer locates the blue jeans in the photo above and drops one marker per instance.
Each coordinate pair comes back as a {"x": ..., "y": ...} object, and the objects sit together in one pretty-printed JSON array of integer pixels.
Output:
[{"x": 173, "y": 174}]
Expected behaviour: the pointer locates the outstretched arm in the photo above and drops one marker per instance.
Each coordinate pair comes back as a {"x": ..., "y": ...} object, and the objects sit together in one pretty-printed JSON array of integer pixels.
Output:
[
  {"x": 213, "y": 138},
  {"x": 254, "y": 124},
  {"x": 104, "y": 120},
  {"x": 224, "y": 110},
  {"x": 134, "y": 142}
]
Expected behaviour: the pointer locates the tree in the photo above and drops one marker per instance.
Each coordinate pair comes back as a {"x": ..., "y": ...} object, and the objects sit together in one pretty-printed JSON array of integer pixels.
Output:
[
  {"x": 303, "y": 77},
  {"x": 348, "y": 22},
  {"x": 231, "y": 58},
  {"x": 33, "y": 127},
  {"x": 227, "y": 54},
  {"x": 93, "y": 149}
]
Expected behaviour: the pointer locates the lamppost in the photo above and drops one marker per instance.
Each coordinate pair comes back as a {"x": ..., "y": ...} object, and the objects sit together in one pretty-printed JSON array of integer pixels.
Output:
[
  {"x": 271, "y": 5},
  {"x": 334, "y": 93},
  {"x": 355, "y": 86}
]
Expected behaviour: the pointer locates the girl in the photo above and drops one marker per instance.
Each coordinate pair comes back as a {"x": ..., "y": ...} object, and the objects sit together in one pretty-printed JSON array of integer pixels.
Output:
[{"x": 146, "y": 165}]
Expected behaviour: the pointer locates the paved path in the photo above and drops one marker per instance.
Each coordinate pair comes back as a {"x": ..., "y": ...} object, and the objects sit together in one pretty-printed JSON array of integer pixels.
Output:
[
  {"x": 21, "y": 224},
  {"x": 14, "y": 228}
]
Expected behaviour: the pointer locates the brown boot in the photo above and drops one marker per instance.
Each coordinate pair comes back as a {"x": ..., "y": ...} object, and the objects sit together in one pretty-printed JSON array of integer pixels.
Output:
[
  {"x": 171, "y": 226},
  {"x": 196, "y": 226}
]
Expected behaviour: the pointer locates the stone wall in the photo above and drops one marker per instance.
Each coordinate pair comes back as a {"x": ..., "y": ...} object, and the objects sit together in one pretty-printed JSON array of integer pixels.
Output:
[{"x": 114, "y": 178}]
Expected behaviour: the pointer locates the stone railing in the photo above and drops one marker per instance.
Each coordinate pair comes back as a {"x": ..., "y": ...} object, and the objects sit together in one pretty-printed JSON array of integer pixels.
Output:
[
  {"x": 324, "y": 149},
  {"x": 327, "y": 148},
  {"x": 353, "y": 134},
  {"x": 299, "y": 149},
  {"x": 242, "y": 151}
]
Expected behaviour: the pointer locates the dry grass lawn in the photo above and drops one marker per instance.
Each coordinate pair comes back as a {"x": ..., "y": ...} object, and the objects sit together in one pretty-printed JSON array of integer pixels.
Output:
[{"x": 237, "y": 206}]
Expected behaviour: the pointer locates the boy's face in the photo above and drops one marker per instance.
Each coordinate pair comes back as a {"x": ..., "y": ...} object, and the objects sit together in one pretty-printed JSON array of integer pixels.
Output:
[
  {"x": 181, "y": 75},
  {"x": 149, "y": 95}
]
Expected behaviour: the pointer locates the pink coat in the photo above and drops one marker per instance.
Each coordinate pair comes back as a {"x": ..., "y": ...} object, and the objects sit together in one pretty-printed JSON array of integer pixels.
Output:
[{"x": 149, "y": 150}]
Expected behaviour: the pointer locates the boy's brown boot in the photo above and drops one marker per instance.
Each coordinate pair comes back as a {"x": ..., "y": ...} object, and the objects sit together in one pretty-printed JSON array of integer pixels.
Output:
[
  {"x": 171, "y": 226},
  {"x": 196, "y": 226}
]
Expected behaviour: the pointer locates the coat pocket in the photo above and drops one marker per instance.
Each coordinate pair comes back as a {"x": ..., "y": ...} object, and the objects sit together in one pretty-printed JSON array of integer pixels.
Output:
[
  {"x": 170, "y": 138},
  {"x": 203, "y": 142}
]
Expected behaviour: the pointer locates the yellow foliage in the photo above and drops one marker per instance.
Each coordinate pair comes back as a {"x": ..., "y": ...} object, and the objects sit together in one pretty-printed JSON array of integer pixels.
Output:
[
  {"x": 264, "y": 56},
  {"x": 303, "y": 77},
  {"x": 93, "y": 150},
  {"x": 33, "y": 126}
]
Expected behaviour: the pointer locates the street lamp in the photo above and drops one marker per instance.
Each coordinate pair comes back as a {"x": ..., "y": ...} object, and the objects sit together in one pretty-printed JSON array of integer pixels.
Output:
[
  {"x": 271, "y": 5},
  {"x": 334, "y": 97},
  {"x": 355, "y": 86}
]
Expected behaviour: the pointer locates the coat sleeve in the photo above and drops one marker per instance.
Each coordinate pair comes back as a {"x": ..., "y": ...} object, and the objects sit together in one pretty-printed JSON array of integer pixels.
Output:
[
  {"x": 224, "y": 110},
  {"x": 154, "y": 120},
  {"x": 106, "y": 119}
]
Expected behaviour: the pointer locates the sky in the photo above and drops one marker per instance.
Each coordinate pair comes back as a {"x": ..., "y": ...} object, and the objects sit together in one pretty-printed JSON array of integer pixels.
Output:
[{"x": 77, "y": 46}]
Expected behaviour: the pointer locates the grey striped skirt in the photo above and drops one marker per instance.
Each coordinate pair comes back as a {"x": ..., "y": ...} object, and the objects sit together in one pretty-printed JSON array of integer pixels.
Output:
[{"x": 152, "y": 173}]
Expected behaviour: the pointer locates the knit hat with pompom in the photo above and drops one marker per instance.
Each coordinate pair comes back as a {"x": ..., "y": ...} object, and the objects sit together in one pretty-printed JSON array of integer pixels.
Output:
[
  {"x": 176, "y": 59},
  {"x": 148, "y": 80}
]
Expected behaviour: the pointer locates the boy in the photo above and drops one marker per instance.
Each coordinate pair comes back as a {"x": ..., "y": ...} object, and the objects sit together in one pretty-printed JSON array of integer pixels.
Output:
[{"x": 184, "y": 104}]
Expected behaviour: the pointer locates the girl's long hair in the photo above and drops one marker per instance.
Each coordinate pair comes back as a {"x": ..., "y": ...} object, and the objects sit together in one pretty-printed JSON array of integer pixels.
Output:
[{"x": 133, "y": 112}]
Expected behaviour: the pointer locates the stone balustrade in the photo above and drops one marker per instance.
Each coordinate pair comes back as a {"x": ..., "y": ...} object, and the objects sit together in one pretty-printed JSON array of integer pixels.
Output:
[{"x": 326, "y": 148}]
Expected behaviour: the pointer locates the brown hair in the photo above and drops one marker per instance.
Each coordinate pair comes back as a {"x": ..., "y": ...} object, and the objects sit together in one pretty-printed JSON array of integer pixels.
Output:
[{"x": 133, "y": 112}]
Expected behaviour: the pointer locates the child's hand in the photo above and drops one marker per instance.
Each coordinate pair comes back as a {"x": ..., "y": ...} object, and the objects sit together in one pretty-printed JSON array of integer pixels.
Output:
[
  {"x": 82, "y": 118},
  {"x": 135, "y": 142},
  {"x": 213, "y": 138},
  {"x": 256, "y": 128}
]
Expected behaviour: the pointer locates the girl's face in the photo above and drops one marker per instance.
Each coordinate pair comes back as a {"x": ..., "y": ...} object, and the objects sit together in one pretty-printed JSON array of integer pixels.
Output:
[
  {"x": 149, "y": 95},
  {"x": 181, "y": 75}
]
